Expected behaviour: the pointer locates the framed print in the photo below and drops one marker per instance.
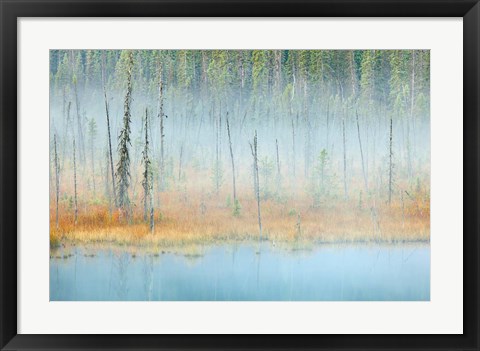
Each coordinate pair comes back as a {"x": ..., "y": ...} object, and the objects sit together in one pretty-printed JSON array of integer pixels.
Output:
[{"x": 203, "y": 178}]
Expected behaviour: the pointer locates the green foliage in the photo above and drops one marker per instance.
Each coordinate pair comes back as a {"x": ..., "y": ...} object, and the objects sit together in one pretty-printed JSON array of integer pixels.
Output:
[
  {"x": 367, "y": 80},
  {"x": 322, "y": 184},
  {"x": 399, "y": 81},
  {"x": 123, "y": 165},
  {"x": 382, "y": 77},
  {"x": 219, "y": 72},
  {"x": 237, "y": 208}
]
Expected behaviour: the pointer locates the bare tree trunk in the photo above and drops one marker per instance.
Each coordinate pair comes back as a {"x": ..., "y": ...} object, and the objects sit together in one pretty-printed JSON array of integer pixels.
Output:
[
  {"x": 152, "y": 217},
  {"x": 361, "y": 154},
  {"x": 92, "y": 146},
  {"x": 390, "y": 168},
  {"x": 162, "y": 135},
  {"x": 278, "y": 166},
  {"x": 66, "y": 133},
  {"x": 293, "y": 147},
  {"x": 327, "y": 130},
  {"x": 147, "y": 180},
  {"x": 66, "y": 124},
  {"x": 403, "y": 210},
  {"x": 180, "y": 162},
  {"x": 233, "y": 162},
  {"x": 412, "y": 110},
  {"x": 107, "y": 181},
  {"x": 307, "y": 150},
  {"x": 109, "y": 134},
  {"x": 146, "y": 187},
  {"x": 79, "y": 124},
  {"x": 254, "y": 149},
  {"x": 344, "y": 160},
  {"x": 374, "y": 152},
  {"x": 75, "y": 182},
  {"x": 57, "y": 183},
  {"x": 217, "y": 156},
  {"x": 220, "y": 133},
  {"x": 367, "y": 144}
]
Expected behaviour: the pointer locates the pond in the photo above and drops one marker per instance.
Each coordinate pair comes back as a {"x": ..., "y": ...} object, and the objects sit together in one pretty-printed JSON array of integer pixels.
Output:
[{"x": 244, "y": 272}]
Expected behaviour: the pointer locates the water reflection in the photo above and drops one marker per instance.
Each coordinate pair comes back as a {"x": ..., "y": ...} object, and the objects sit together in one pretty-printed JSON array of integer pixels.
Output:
[
  {"x": 121, "y": 264},
  {"x": 245, "y": 272}
]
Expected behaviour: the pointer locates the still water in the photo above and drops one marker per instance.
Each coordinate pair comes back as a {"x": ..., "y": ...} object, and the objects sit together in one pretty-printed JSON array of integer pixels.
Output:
[{"x": 244, "y": 272}]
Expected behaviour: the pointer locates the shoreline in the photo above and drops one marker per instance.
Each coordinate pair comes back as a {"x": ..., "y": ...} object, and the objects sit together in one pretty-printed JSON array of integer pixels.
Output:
[{"x": 191, "y": 248}]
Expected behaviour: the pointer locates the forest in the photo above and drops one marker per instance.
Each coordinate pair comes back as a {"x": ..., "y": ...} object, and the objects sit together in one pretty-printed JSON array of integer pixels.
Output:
[{"x": 172, "y": 147}]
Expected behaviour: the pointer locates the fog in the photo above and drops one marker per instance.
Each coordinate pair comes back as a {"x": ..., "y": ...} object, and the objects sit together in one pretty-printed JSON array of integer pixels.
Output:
[{"x": 346, "y": 124}]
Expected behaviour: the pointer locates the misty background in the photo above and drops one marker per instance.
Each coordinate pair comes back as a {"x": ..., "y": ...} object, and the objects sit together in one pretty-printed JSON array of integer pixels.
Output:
[{"x": 331, "y": 125}]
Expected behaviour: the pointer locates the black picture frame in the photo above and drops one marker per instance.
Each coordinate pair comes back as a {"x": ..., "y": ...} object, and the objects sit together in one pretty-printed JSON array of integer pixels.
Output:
[{"x": 11, "y": 10}]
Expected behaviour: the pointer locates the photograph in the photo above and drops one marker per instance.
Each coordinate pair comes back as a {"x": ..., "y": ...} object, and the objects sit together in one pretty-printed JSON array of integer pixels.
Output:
[{"x": 239, "y": 175}]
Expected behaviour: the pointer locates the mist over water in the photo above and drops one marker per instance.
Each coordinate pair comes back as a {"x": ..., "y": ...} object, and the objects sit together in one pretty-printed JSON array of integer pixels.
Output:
[{"x": 237, "y": 273}]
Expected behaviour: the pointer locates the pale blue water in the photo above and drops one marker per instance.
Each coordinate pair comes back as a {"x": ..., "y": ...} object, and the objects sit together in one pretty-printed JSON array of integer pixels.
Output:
[{"x": 236, "y": 272}]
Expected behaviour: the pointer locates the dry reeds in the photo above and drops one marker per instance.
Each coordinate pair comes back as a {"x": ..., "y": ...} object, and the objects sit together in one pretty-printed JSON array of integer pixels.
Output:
[{"x": 190, "y": 215}]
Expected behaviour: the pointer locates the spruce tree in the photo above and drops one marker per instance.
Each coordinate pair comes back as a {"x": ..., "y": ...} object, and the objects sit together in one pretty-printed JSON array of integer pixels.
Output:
[{"x": 123, "y": 165}]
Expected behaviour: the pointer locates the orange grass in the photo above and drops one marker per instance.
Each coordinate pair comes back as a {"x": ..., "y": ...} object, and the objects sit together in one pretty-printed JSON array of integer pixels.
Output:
[{"x": 189, "y": 214}]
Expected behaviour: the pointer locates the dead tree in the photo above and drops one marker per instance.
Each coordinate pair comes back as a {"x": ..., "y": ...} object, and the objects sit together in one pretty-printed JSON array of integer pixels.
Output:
[
  {"x": 79, "y": 118},
  {"x": 344, "y": 160},
  {"x": 66, "y": 134},
  {"x": 233, "y": 162},
  {"x": 161, "y": 174},
  {"x": 109, "y": 134},
  {"x": 75, "y": 182},
  {"x": 92, "y": 130},
  {"x": 412, "y": 118},
  {"x": 293, "y": 147},
  {"x": 307, "y": 146},
  {"x": 107, "y": 181},
  {"x": 146, "y": 171},
  {"x": 361, "y": 154},
  {"x": 180, "y": 163},
  {"x": 256, "y": 181},
  {"x": 57, "y": 183},
  {"x": 152, "y": 216},
  {"x": 278, "y": 166},
  {"x": 403, "y": 210},
  {"x": 147, "y": 182},
  {"x": 217, "y": 157},
  {"x": 217, "y": 172},
  {"x": 390, "y": 166},
  {"x": 327, "y": 130}
]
